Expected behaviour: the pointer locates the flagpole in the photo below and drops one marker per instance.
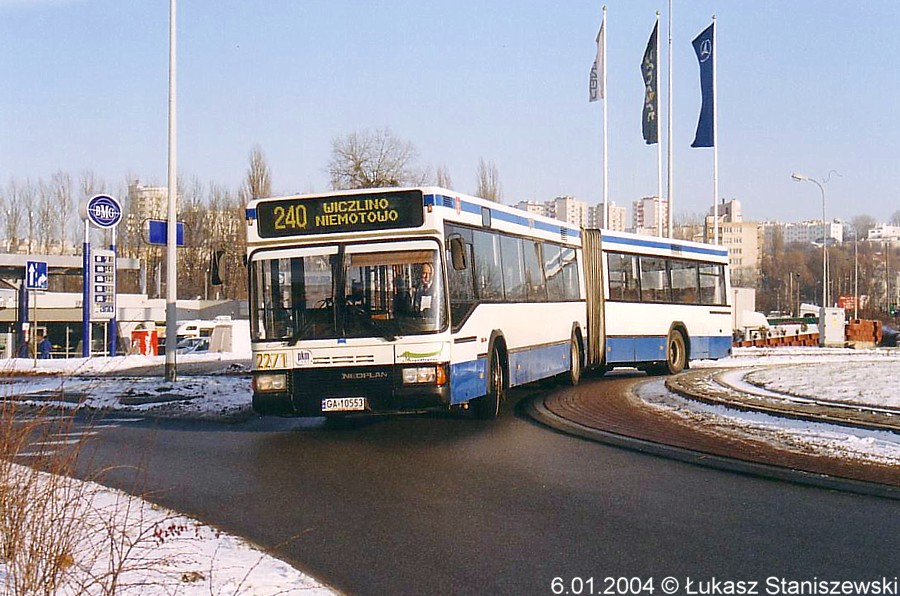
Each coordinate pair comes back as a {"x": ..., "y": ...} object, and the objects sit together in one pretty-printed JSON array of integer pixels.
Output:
[
  {"x": 715, "y": 139},
  {"x": 605, "y": 124},
  {"x": 659, "y": 226},
  {"x": 671, "y": 158}
]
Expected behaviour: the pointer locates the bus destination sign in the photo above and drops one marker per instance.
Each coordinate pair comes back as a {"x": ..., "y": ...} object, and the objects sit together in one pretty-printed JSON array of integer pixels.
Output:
[{"x": 348, "y": 213}]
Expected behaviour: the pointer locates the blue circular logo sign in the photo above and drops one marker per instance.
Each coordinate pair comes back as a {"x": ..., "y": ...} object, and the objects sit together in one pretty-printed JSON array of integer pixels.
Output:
[{"x": 103, "y": 211}]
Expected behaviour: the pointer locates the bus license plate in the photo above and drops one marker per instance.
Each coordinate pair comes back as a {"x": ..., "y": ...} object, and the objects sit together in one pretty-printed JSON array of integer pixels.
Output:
[{"x": 344, "y": 404}]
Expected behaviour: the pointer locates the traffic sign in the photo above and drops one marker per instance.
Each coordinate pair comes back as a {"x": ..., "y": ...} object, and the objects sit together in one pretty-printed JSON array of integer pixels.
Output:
[
  {"x": 159, "y": 232},
  {"x": 36, "y": 277}
]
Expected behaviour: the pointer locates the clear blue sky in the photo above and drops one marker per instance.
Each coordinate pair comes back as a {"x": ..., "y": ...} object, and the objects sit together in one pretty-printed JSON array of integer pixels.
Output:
[{"x": 803, "y": 86}]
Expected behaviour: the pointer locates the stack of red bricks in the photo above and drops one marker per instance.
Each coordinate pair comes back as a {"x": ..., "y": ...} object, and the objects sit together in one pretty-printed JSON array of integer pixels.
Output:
[
  {"x": 777, "y": 341},
  {"x": 864, "y": 332}
]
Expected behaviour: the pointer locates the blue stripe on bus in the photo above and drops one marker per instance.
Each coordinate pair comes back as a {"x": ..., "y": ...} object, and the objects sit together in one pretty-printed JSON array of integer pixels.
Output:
[
  {"x": 627, "y": 350},
  {"x": 468, "y": 380},
  {"x": 526, "y": 366},
  {"x": 251, "y": 213},
  {"x": 608, "y": 238},
  {"x": 521, "y": 220}
]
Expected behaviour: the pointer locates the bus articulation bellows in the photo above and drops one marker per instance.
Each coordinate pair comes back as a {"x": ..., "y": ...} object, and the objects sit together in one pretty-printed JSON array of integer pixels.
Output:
[{"x": 410, "y": 299}]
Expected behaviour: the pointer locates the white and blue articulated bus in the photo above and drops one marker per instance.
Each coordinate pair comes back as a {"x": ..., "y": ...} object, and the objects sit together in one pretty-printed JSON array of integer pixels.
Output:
[{"x": 412, "y": 299}]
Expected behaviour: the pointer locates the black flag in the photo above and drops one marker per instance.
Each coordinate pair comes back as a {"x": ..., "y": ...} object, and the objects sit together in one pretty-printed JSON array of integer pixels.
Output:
[{"x": 650, "y": 122}]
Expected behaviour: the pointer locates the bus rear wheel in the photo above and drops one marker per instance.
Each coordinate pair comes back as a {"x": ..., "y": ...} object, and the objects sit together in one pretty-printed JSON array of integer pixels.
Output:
[
  {"x": 676, "y": 356},
  {"x": 676, "y": 353},
  {"x": 489, "y": 406}
]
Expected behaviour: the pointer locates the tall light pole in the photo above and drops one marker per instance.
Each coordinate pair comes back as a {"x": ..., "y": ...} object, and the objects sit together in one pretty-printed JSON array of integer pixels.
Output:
[
  {"x": 855, "y": 275},
  {"x": 801, "y": 178},
  {"x": 172, "y": 222}
]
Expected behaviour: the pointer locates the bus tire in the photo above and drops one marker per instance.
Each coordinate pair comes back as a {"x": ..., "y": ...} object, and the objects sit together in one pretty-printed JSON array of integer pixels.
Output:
[
  {"x": 573, "y": 377},
  {"x": 676, "y": 353},
  {"x": 489, "y": 406}
]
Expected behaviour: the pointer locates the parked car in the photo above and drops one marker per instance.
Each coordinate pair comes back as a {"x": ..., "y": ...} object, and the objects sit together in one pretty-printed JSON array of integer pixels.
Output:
[{"x": 192, "y": 345}]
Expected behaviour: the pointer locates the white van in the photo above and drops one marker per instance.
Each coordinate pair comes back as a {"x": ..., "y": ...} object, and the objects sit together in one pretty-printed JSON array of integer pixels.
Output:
[{"x": 196, "y": 328}]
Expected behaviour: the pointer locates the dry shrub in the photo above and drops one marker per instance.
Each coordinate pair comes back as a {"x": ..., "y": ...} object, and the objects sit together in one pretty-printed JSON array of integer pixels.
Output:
[{"x": 56, "y": 536}]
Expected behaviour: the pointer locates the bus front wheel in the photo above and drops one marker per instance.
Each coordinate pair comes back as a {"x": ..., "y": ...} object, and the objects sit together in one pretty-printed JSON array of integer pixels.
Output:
[{"x": 488, "y": 407}]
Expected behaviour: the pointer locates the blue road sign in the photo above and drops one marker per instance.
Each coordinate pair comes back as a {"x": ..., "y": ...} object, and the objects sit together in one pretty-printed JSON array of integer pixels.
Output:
[
  {"x": 159, "y": 232},
  {"x": 36, "y": 277}
]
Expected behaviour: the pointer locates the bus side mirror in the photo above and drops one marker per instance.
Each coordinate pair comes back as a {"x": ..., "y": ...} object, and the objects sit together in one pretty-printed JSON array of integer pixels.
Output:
[{"x": 458, "y": 253}]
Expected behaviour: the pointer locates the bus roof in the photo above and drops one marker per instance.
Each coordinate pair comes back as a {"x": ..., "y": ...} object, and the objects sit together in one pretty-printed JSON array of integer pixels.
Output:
[
  {"x": 458, "y": 207},
  {"x": 637, "y": 243},
  {"x": 472, "y": 210}
]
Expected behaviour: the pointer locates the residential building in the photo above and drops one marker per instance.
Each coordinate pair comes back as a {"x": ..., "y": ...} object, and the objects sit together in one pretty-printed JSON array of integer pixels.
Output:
[
  {"x": 808, "y": 232},
  {"x": 618, "y": 217},
  {"x": 147, "y": 202},
  {"x": 744, "y": 241},
  {"x": 649, "y": 214},
  {"x": 532, "y": 206},
  {"x": 884, "y": 233},
  {"x": 570, "y": 209}
]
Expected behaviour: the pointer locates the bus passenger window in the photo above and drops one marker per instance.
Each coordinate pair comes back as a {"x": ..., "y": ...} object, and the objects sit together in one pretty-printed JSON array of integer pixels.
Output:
[
  {"x": 513, "y": 268},
  {"x": 622, "y": 278},
  {"x": 570, "y": 274},
  {"x": 553, "y": 268},
  {"x": 684, "y": 281},
  {"x": 488, "y": 274},
  {"x": 535, "y": 284},
  {"x": 654, "y": 280}
]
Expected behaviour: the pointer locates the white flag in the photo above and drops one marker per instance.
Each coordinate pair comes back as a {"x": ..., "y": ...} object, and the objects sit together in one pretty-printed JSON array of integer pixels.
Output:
[{"x": 597, "y": 90}]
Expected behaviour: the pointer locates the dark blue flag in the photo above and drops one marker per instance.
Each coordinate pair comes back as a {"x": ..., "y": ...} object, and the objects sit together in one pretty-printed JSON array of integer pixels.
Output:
[
  {"x": 704, "y": 46},
  {"x": 650, "y": 121}
]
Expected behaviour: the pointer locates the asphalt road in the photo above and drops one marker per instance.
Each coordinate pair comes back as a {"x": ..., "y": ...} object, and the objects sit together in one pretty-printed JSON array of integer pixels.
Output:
[{"x": 439, "y": 505}]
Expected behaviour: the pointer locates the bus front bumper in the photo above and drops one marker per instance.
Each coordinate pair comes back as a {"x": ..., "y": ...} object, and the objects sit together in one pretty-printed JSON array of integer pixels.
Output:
[{"x": 340, "y": 391}]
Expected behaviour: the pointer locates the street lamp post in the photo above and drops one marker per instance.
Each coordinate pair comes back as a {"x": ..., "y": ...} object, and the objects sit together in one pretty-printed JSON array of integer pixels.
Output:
[
  {"x": 855, "y": 275},
  {"x": 800, "y": 178}
]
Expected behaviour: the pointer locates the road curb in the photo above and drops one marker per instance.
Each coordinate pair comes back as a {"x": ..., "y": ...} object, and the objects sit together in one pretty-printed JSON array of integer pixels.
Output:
[{"x": 535, "y": 408}]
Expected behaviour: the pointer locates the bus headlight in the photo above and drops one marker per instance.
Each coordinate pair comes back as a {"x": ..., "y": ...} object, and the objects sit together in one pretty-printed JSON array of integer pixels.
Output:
[
  {"x": 434, "y": 375},
  {"x": 270, "y": 382}
]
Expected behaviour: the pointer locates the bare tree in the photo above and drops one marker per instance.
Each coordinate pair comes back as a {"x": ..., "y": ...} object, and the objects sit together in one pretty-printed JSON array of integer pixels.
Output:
[
  {"x": 488, "y": 182},
  {"x": 372, "y": 159},
  {"x": 895, "y": 218},
  {"x": 862, "y": 224},
  {"x": 442, "y": 177},
  {"x": 259, "y": 181},
  {"x": 227, "y": 233},
  {"x": 28, "y": 200},
  {"x": 62, "y": 205},
  {"x": 13, "y": 212}
]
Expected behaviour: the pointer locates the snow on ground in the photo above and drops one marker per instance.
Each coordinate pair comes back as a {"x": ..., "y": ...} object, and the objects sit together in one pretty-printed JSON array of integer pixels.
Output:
[
  {"x": 166, "y": 553},
  {"x": 179, "y": 555},
  {"x": 869, "y": 377},
  {"x": 218, "y": 386}
]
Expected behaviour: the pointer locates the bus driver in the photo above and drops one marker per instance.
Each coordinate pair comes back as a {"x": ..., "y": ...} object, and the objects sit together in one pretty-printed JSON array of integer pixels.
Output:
[{"x": 424, "y": 295}]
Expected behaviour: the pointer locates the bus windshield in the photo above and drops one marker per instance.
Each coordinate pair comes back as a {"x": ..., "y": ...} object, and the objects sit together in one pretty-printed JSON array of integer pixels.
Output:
[{"x": 347, "y": 292}]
